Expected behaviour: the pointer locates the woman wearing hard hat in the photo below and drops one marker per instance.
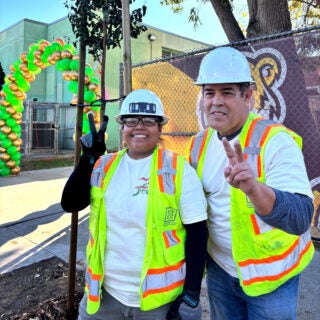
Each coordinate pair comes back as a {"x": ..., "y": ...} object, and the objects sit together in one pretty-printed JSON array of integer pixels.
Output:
[{"x": 147, "y": 246}]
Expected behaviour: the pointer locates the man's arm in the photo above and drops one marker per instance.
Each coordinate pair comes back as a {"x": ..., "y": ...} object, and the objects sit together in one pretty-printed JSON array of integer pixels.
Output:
[{"x": 288, "y": 211}]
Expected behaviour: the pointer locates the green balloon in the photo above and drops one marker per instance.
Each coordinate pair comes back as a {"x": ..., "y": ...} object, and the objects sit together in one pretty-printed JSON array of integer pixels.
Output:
[
  {"x": 4, "y": 115},
  {"x": 73, "y": 86},
  {"x": 85, "y": 125},
  {"x": 5, "y": 171},
  {"x": 74, "y": 65},
  {"x": 24, "y": 86},
  {"x": 6, "y": 143},
  {"x": 13, "y": 100},
  {"x": 47, "y": 50},
  {"x": 90, "y": 96},
  {"x": 12, "y": 150},
  {"x": 3, "y": 136},
  {"x": 11, "y": 122},
  {"x": 95, "y": 80},
  {"x": 16, "y": 129},
  {"x": 63, "y": 64},
  {"x": 34, "y": 69},
  {"x": 88, "y": 71},
  {"x": 69, "y": 47},
  {"x": 6, "y": 89},
  {"x": 56, "y": 46},
  {"x": 20, "y": 107},
  {"x": 2, "y": 164},
  {"x": 44, "y": 57},
  {"x": 16, "y": 157}
]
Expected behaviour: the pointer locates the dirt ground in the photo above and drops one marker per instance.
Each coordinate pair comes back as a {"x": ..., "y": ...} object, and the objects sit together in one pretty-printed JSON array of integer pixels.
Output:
[{"x": 39, "y": 292}]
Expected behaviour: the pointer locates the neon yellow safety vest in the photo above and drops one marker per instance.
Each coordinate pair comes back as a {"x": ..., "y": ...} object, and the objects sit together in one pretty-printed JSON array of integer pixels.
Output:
[
  {"x": 265, "y": 257},
  {"x": 164, "y": 266}
]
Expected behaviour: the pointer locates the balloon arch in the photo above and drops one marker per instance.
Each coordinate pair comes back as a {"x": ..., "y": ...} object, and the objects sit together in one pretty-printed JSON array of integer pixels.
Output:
[{"x": 39, "y": 56}]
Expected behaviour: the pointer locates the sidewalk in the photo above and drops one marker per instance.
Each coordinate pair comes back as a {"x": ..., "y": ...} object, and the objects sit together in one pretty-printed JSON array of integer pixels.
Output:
[{"x": 34, "y": 227}]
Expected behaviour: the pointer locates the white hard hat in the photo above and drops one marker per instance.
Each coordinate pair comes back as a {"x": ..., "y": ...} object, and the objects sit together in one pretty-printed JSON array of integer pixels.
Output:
[
  {"x": 224, "y": 65},
  {"x": 142, "y": 102}
]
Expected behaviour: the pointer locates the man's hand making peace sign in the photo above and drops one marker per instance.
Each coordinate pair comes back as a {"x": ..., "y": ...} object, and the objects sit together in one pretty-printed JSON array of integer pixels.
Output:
[{"x": 240, "y": 175}]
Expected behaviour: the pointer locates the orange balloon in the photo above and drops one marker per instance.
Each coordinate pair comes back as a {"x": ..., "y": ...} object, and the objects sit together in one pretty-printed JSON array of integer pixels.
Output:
[
  {"x": 4, "y": 156},
  {"x": 37, "y": 54},
  {"x": 6, "y": 129},
  {"x": 13, "y": 86},
  {"x": 23, "y": 56},
  {"x": 43, "y": 44},
  {"x": 23, "y": 66},
  {"x": 66, "y": 75},
  {"x": 66, "y": 54},
  {"x": 17, "y": 116},
  {"x": 11, "y": 77},
  {"x": 11, "y": 164},
  {"x": 15, "y": 170},
  {"x": 12, "y": 136},
  {"x": 11, "y": 110},
  {"x": 59, "y": 40},
  {"x": 17, "y": 142}
]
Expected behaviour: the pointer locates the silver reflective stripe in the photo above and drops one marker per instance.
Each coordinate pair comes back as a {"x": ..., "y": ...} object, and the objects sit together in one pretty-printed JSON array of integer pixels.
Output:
[
  {"x": 161, "y": 281},
  {"x": 274, "y": 268},
  {"x": 98, "y": 173},
  {"x": 170, "y": 238},
  {"x": 167, "y": 172},
  {"x": 93, "y": 285},
  {"x": 253, "y": 149},
  {"x": 195, "y": 152}
]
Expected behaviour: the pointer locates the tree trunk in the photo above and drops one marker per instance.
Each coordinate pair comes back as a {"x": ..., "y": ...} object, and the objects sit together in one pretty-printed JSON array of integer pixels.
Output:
[
  {"x": 228, "y": 22},
  {"x": 268, "y": 17}
]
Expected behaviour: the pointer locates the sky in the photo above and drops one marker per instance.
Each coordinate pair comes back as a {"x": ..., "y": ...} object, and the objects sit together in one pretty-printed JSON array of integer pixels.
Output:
[{"x": 158, "y": 16}]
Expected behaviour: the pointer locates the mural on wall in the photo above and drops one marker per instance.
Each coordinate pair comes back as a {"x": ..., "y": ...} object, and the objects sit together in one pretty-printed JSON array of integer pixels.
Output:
[
  {"x": 280, "y": 94},
  {"x": 39, "y": 56}
]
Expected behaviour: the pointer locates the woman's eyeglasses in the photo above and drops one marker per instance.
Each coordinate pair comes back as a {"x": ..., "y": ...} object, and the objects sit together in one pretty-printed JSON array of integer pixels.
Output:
[{"x": 146, "y": 121}]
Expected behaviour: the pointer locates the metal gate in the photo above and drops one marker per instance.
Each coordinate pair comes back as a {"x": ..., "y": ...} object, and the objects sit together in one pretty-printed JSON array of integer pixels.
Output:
[{"x": 47, "y": 127}]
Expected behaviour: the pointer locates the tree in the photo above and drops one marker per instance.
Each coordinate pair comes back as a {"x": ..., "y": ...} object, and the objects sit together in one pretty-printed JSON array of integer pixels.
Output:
[
  {"x": 263, "y": 18},
  {"x": 98, "y": 23},
  {"x": 2, "y": 75}
]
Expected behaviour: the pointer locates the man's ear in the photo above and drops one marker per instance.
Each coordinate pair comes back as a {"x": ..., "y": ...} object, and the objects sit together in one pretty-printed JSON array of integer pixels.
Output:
[{"x": 248, "y": 94}]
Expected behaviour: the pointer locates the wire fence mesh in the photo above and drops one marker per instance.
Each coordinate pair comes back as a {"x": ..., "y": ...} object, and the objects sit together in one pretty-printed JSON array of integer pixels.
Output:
[{"x": 286, "y": 71}]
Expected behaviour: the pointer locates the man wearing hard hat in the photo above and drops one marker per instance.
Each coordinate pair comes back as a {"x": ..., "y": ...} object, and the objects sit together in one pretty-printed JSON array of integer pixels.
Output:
[{"x": 259, "y": 198}]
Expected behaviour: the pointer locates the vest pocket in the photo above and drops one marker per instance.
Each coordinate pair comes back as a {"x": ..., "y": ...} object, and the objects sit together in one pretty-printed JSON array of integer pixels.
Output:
[
  {"x": 174, "y": 254},
  {"x": 274, "y": 240}
]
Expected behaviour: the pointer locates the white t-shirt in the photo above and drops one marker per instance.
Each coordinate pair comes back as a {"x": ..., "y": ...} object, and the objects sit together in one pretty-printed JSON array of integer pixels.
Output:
[
  {"x": 126, "y": 206},
  {"x": 285, "y": 170}
]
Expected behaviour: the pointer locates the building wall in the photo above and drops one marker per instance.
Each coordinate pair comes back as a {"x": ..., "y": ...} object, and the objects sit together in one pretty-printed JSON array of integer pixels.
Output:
[{"x": 50, "y": 86}]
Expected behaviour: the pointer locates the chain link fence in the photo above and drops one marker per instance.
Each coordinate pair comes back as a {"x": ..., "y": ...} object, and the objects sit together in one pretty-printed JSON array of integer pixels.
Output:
[{"x": 286, "y": 70}]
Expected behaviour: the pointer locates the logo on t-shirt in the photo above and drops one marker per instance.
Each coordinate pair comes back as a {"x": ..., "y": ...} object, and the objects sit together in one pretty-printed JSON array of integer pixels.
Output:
[{"x": 142, "y": 187}]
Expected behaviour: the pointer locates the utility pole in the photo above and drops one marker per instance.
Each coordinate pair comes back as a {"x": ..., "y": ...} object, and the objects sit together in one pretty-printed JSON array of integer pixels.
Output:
[{"x": 127, "y": 47}]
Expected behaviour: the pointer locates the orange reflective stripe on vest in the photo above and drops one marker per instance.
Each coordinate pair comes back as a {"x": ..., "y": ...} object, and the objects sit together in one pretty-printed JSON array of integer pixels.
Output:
[
  {"x": 291, "y": 258},
  {"x": 164, "y": 279},
  {"x": 92, "y": 284},
  {"x": 170, "y": 238}
]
